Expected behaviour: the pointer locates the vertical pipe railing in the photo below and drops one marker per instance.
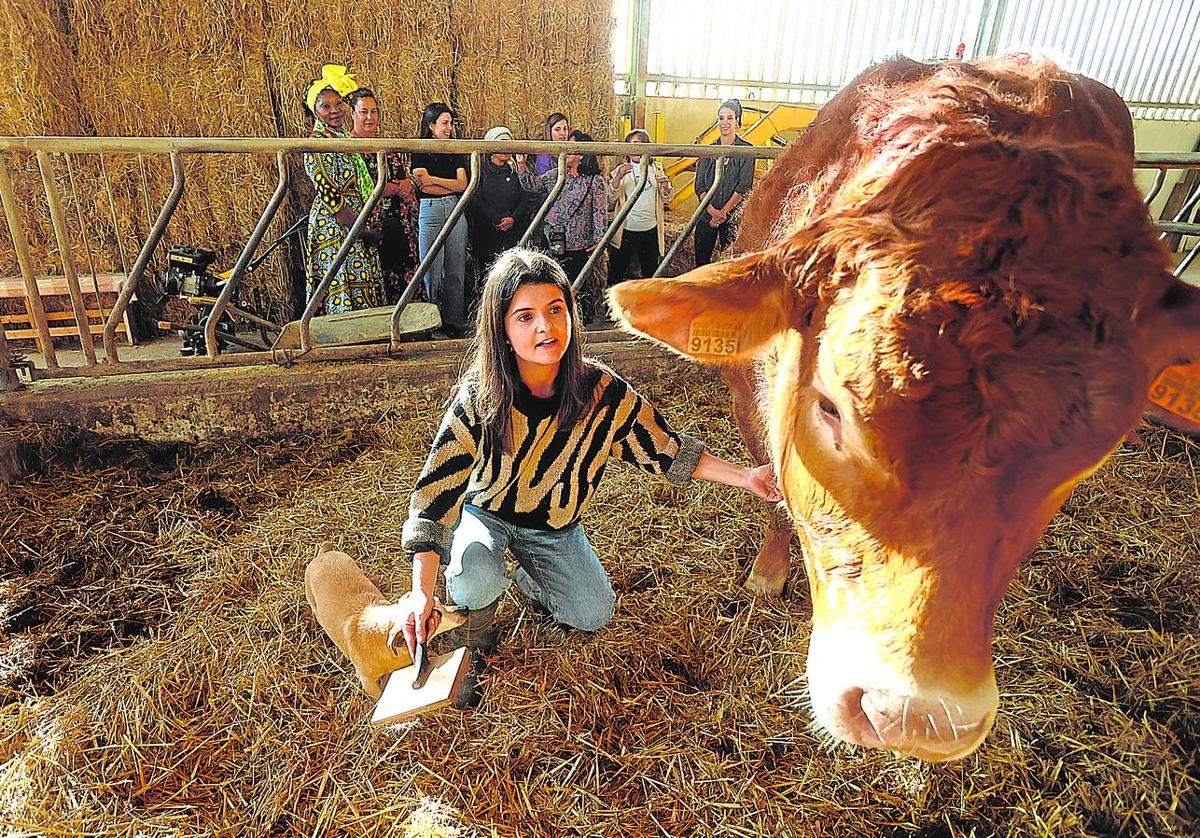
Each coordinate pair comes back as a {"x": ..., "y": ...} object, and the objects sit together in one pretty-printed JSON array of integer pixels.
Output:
[
  {"x": 1159, "y": 178},
  {"x": 143, "y": 258},
  {"x": 239, "y": 267},
  {"x": 87, "y": 238},
  {"x": 1191, "y": 201},
  {"x": 617, "y": 221},
  {"x": 555, "y": 191},
  {"x": 691, "y": 225},
  {"x": 436, "y": 247},
  {"x": 8, "y": 373},
  {"x": 47, "y": 168},
  {"x": 320, "y": 292},
  {"x": 145, "y": 187},
  {"x": 33, "y": 297},
  {"x": 1186, "y": 261},
  {"x": 112, "y": 212}
]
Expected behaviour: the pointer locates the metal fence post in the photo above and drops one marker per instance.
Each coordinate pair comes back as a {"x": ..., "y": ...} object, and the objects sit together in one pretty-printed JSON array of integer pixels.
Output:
[
  {"x": 46, "y": 165},
  {"x": 33, "y": 297},
  {"x": 143, "y": 259},
  {"x": 235, "y": 277}
]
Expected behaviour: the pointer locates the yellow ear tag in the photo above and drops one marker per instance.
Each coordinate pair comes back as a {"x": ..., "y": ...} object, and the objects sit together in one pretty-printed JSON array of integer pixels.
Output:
[
  {"x": 1177, "y": 389},
  {"x": 707, "y": 338}
]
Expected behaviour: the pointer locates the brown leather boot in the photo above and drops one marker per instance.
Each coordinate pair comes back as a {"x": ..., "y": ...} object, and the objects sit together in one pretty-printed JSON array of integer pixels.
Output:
[
  {"x": 480, "y": 635},
  {"x": 477, "y": 633}
]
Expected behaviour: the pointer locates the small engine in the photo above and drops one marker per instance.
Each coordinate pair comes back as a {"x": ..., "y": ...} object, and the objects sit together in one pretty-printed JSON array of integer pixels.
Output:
[
  {"x": 189, "y": 278},
  {"x": 187, "y": 272}
]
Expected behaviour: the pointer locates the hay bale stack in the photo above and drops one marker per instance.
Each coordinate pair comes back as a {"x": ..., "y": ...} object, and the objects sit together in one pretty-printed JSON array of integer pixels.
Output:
[
  {"x": 38, "y": 95},
  {"x": 202, "y": 74},
  {"x": 37, "y": 71},
  {"x": 404, "y": 51},
  {"x": 554, "y": 57},
  {"x": 238, "y": 68},
  {"x": 160, "y": 68}
]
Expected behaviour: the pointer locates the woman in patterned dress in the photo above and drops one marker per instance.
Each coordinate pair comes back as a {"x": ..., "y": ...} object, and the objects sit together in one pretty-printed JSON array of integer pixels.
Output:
[
  {"x": 395, "y": 216},
  {"x": 341, "y": 195}
]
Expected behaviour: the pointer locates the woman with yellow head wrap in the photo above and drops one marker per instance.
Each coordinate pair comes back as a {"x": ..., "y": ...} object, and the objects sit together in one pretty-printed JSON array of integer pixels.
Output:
[
  {"x": 340, "y": 197},
  {"x": 341, "y": 84}
]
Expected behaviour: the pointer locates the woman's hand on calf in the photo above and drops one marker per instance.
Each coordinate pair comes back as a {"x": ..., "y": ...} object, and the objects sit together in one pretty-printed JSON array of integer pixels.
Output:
[{"x": 420, "y": 620}]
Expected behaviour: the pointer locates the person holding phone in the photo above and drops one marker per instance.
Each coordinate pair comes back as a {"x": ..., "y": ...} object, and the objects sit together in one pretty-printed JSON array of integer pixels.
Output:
[{"x": 644, "y": 230}]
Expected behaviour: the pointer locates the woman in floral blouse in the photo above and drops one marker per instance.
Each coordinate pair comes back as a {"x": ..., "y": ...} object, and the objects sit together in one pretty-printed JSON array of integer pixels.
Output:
[
  {"x": 577, "y": 219},
  {"x": 394, "y": 218}
]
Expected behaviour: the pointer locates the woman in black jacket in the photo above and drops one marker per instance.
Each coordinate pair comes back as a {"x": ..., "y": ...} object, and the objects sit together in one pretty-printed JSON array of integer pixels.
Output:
[{"x": 500, "y": 211}]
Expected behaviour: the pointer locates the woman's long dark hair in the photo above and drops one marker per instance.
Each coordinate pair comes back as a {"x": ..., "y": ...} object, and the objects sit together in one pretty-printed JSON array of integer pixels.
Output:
[
  {"x": 432, "y": 112},
  {"x": 552, "y": 120},
  {"x": 589, "y": 165},
  {"x": 493, "y": 371}
]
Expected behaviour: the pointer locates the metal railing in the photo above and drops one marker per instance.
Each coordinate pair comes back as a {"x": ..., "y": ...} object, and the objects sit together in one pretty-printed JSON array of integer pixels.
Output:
[{"x": 176, "y": 150}]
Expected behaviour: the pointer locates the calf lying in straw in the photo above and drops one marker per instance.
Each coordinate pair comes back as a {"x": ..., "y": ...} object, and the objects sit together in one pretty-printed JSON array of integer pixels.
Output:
[{"x": 355, "y": 615}]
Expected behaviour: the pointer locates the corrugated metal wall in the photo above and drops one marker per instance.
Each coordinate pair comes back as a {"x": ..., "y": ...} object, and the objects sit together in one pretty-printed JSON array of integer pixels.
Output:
[{"x": 804, "y": 50}]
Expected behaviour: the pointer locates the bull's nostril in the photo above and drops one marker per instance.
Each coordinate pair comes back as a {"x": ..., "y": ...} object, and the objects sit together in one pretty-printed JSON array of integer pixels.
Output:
[{"x": 859, "y": 719}]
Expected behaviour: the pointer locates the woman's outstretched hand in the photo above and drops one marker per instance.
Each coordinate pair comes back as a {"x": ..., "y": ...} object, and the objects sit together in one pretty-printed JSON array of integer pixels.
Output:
[{"x": 761, "y": 481}]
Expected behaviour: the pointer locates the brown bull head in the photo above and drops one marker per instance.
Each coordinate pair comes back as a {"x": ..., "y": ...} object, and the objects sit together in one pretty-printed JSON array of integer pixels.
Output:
[{"x": 945, "y": 352}]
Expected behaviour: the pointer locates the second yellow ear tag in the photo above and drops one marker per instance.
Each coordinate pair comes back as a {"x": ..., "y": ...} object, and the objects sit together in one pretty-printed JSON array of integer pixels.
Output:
[
  {"x": 708, "y": 338},
  {"x": 1177, "y": 389}
]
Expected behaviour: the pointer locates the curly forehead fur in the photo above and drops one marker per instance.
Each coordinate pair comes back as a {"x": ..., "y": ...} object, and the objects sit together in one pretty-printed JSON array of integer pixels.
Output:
[{"x": 976, "y": 271}]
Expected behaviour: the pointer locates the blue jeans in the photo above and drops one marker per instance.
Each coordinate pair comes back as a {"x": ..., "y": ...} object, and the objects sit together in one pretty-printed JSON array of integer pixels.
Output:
[
  {"x": 558, "y": 569},
  {"x": 445, "y": 283}
]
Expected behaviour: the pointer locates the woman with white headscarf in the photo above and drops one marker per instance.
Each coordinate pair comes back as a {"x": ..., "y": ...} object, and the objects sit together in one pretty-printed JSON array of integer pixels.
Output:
[{"x": 500, "y": 210}]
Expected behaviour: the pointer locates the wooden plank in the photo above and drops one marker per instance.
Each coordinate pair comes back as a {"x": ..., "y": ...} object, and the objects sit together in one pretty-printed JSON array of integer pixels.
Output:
[
  {"x": 93, "y": 314},
  {"x": 400, "y": 701},
  {"x": 55, "y": 332},
  {"x": 96, "y": 319},
  {"x": 368, "y": 325},
  {"x": 12, "y": 286}
]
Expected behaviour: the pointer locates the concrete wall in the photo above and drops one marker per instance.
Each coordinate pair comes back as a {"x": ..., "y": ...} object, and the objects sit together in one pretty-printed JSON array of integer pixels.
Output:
[{"x": 260, "y": 401}]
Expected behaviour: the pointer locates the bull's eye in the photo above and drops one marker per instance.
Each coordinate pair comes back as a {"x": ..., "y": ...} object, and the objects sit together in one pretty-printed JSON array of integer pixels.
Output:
[{"x": 828, "y": 408}]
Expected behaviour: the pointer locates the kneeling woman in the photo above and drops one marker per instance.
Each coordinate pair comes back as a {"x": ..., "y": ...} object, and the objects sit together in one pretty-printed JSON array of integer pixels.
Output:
[{"x": 518, "y": 457}]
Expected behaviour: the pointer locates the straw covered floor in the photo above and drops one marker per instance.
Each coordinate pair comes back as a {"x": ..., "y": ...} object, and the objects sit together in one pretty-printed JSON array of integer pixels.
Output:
[{"x": 161, "y": 672}]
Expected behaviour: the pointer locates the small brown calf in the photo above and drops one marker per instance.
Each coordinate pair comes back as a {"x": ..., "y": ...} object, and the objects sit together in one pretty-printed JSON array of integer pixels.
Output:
[{"x": 357, "y": 617}]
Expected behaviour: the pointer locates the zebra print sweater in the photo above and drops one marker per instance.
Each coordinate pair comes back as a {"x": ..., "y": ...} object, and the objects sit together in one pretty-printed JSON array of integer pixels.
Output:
[{"x": 550, "y": 475}]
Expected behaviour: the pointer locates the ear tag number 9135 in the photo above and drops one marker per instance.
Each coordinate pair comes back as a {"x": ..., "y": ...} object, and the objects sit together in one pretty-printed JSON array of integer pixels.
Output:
[{"x": 707, "y": 338}]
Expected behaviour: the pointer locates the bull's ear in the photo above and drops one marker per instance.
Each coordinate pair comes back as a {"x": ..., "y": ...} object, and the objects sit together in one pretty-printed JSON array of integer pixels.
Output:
[
  {"x": 1172, "y": 327},
  {"x": 717, "y": 314}
]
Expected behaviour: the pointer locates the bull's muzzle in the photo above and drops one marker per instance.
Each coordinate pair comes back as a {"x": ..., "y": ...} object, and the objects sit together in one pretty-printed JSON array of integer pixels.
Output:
[{"x": 866, "y": 700}]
